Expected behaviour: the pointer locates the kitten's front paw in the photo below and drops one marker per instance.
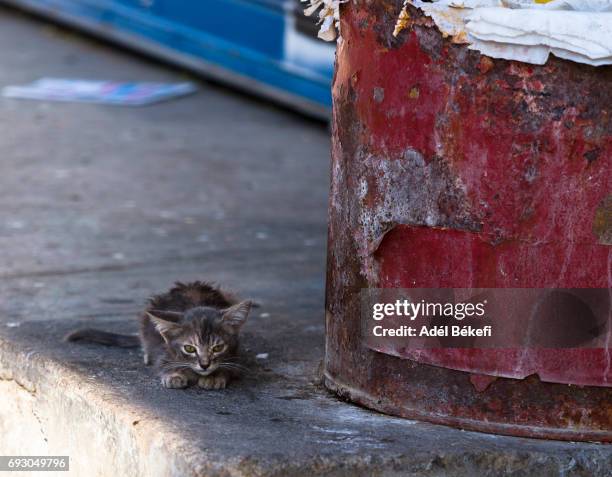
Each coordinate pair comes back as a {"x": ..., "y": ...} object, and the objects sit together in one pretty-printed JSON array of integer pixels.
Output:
[
  {"x": 174, "y": 381},
  {"x": 213, "y": 382}
]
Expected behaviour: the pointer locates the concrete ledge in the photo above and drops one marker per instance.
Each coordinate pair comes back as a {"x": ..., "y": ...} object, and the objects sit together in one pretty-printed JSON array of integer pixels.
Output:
[{"x": 116, "y": 420}]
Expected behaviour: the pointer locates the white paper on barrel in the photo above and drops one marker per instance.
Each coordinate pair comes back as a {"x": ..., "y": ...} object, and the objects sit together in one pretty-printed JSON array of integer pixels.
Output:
[{"x": 576, "y": 30}]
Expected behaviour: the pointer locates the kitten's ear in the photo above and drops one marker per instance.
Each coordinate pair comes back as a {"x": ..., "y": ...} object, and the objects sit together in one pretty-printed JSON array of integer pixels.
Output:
[
  {"x": 163, "y": 326},
  {"x": 235, "y": 316}
]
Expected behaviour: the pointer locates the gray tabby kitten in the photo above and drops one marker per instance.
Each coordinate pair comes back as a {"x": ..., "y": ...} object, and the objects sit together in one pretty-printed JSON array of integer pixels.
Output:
[{"x": 190, "y": 334}]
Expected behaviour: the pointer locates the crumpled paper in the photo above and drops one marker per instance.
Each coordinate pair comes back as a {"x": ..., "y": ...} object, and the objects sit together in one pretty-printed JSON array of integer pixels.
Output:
[
  {"x": 576, "y": 30},
  {"x": 329, "y": 17}
]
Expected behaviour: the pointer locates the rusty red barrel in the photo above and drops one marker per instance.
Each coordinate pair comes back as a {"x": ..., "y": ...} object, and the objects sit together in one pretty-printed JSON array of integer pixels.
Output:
[{"x": 454, "y": 170}]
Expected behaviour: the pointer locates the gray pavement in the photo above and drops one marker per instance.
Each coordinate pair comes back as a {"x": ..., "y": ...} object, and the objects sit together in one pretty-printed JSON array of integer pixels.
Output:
[{"x": 102, "y": 206}]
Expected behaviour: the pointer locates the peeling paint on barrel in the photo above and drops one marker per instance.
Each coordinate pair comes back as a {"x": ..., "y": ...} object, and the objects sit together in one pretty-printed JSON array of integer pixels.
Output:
[{"x": 468, "y": 172}]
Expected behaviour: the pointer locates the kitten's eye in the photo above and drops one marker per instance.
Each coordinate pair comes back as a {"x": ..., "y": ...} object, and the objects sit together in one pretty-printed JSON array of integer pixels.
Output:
[
  {"x": 189, "y": 349},
  {"x": 218, "y": 348}
]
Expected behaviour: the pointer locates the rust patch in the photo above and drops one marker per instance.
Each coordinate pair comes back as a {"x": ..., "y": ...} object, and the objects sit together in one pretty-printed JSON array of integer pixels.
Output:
[
  {"x": 481, "y": 381},
  {"x": 602, "y": 224},
  {"x": 592, "y": 155},
  {"x": 486, "y": 64},
  {"x": 389, "y": 25}
]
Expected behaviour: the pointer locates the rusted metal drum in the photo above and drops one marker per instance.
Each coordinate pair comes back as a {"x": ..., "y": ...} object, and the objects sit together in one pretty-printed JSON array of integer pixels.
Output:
[{"x": 451, "y": 169}]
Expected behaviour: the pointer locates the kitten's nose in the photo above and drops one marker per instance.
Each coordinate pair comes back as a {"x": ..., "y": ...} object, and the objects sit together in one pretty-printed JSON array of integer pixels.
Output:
[{"x": 204, "y": 365}]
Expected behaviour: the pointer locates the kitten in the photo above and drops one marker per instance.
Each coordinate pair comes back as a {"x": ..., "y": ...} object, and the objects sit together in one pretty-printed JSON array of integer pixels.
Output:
[{"x": 190, "y": 334}]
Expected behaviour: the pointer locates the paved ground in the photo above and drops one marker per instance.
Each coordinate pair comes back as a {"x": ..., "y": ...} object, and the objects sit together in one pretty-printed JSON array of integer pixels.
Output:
[{"x": 102, "y": 206}]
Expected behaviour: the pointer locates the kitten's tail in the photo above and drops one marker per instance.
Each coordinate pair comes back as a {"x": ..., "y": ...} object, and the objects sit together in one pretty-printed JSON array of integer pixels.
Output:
[{"x": 90, "y": 335}]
